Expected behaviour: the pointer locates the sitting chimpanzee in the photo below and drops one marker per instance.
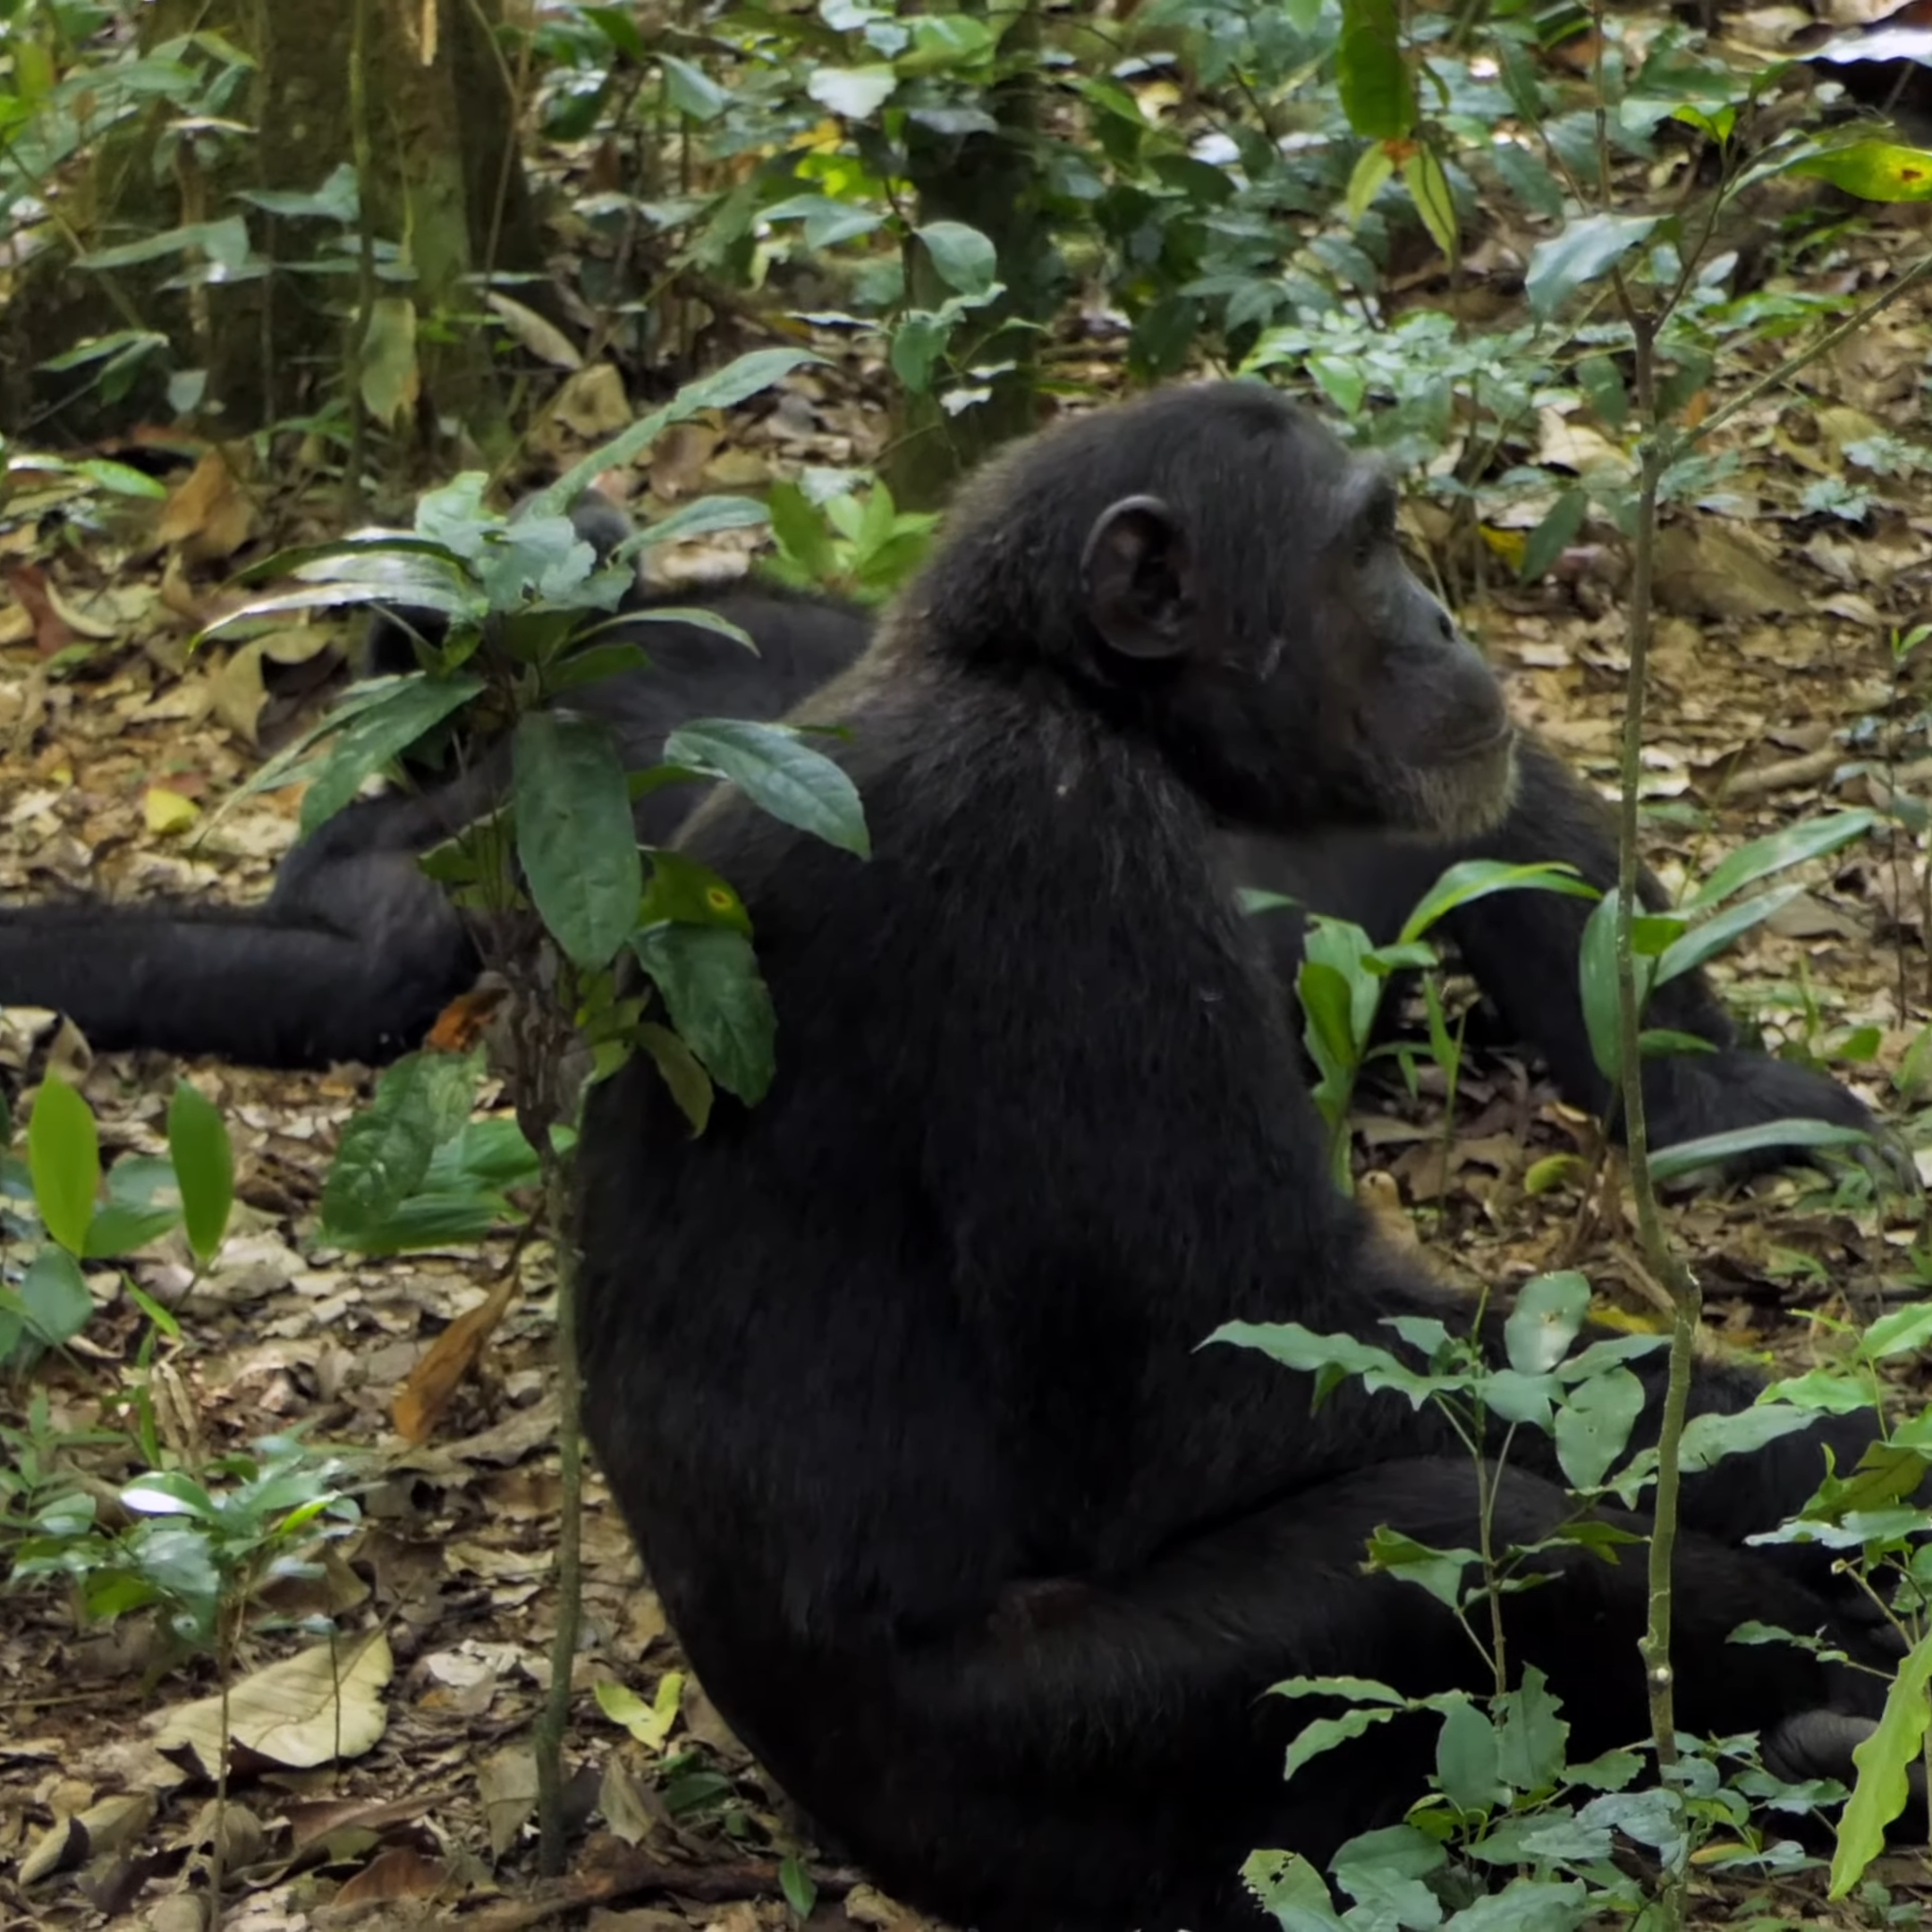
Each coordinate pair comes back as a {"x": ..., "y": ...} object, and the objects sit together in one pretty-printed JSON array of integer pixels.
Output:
[
  {"x": 355, "y": 952},
  {"x": 897, "y": 1376}
]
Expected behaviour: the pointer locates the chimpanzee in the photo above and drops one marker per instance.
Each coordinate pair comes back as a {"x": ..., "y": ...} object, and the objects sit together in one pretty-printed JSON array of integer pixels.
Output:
[
  {"x": 898, "y": 1376},
  {"x": 354, "y": 952}
]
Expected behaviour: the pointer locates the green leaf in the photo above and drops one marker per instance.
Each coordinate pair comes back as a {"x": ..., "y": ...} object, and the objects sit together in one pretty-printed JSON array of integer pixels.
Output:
[
  {"x": 692, "y": 92},
  {"x": 1470, "y": 879},
  {"x": 1686, "y": 1157},
  {"x": 1872, "y": 170},
  {"x": 54, "y": 1301},
  {"x": 1468, "y": 1756},
  {"x": 1810, "y": 838},
  {"x": 390, "y": 378},
  {"x": 851, "y": 93},
  {"x": 1553, "y": 535},
  {"x": 800, "y": 1889},
  {"x": 1585, "y": 250},
  {"x": 1439, "y": 1571},
  {"x": 965, "y": 259},
  {"x": 1725, "y": 928},
  {"x": 1533, "y": 1733},
  {"x": 709, "y": 979},
  {"x": 1374, "y": 170},
  {"x": 1884, "y": 1761},
  {"x": 1377, "y": 88},
  {"x": 1708, "y": 1439},
  {"x": 1593, "y": 1425},
  {"x": 1326, "y": 1733},
  {"x": 800, "y": 531},
  {"x": 204, "y": 1168},
  {"x": 683, "y": 1073},
  {"x": 63, "y": 1157},
  {"x": 1427, "y": 182},
  {"x": 169, "y": 1492},
  {"x": 1287, "y": 1887},
  {"x": 781, "y": 775},
  {"x": 420, "y": 1103},
  {"x": 575, "y": 836},
  {"x": 1903, "y": 1332},
  {"x": 1548, "y": 1318},
  {"x": 412, "y": 706},
  {"x": 725, "y": 389}
]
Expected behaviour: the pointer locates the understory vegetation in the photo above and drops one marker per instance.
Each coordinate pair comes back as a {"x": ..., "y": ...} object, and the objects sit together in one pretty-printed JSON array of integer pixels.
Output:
[{"x": 312, "y": 1600}]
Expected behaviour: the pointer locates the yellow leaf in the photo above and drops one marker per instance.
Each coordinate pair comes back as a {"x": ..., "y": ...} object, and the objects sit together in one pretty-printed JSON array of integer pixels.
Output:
[
  {"x": 168, "y": 811},
  {"x": 1508, "y": 544}
]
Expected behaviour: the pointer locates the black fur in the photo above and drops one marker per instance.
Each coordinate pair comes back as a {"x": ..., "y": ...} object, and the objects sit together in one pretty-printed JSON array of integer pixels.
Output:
[
  {"x": 354, "y": 953},
  {"x": 898, "y": 1376}
]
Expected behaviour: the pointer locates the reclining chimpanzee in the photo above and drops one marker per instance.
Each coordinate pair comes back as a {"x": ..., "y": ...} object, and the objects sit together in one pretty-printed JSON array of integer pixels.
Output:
[
  {"x": 897, "y": 1376},
  {"x": 355, "y": 952}
]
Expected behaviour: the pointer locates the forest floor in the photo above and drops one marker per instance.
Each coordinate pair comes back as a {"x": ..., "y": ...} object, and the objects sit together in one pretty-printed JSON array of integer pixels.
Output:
[{"x": 1774, "y": 689}]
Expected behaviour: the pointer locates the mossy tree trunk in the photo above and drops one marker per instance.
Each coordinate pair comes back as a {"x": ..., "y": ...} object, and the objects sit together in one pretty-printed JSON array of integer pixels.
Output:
[
  {"x": 443, "y": 188},
  {"x": 990, "y": 181}
]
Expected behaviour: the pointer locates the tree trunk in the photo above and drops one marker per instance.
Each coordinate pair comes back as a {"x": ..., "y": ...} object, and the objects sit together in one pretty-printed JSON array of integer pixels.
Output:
[
  {"x": 444, "y": 188},
  {"x": 989, "y": 182}
]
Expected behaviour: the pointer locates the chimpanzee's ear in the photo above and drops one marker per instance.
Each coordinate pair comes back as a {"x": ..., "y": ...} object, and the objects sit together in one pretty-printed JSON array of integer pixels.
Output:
[{"x": 1136, "y": 577}]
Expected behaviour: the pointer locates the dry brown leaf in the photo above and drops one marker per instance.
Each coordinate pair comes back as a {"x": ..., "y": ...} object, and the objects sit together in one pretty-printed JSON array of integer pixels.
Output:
[
  {"x": 312, "y": 1709},
  {"x": 398, "y": 1873},
  {"x": 445, "y": 1363},
  {"x": 210, "y": 516}
]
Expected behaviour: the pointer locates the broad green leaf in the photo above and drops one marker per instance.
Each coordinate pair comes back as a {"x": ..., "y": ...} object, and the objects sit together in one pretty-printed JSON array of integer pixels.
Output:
[
  {"x": 412, "y": 706},
  {"x": 385, "y": 1150},
  {"x": 1470, "y": 879},
  {"x": 709, "y": 979},
  {"x": 1287, "y": 1887},
  {"x": 1374, "y": 170},
  {"x": 204, "y": 1168},
  {"x": 1810, "y": 838},
  {"x": 1708, "y": 1439},
  {"x": 1296, "y": 1347},
  {"x": 1377, "y": 86},
  {"x": 1326, "y": 1733},
  {"x": 800, "y": 1889},
  {"x": 1884, "y": 1761},
  {"x": 1584, "y": 251},
  {"x": 702, "y": 518},
  {"x": 1872, "y": 170},
  {"x": 1532, "y": 1733},
  {"x": 852, "y": 93},
  {"x": 965, "y": 259},
  {"x": 575, "y": 836},
  {"x": 781, "y": 775},
  {"x": 1593, "y": 1425},
  {"x": 1427, "y": 184},
  {"x": 1548, "y": 1316},
  {"x": 54, "y": 1301},
  {"x": 684, "y": 1072},
  {"x": 1383, "y": 1871},
  {"x": 692, "y": 92},
  {"x": 800, "y": 529},
  {"x": 1553, "y": 535},
  {"x": 1467, "y": 1758},
  {"x": 391, "y": 379},
  {"x": 1686, "y": 1157},
  {"x": 1901, "y": 1331},
  {"x": 683, "y": 891},
  {"x": 63, "y": 1157}
]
